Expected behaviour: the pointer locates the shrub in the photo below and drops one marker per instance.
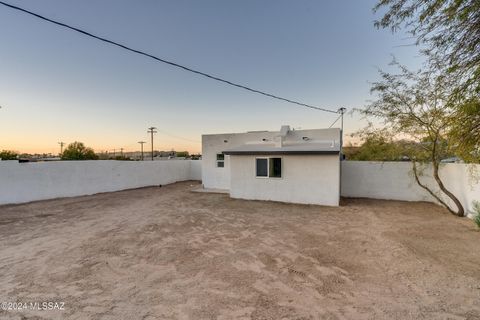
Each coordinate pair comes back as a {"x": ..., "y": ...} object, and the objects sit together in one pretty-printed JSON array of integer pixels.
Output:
[
  {"x": 476, "y": 209},
  {"x": 8, "y": 155},
  {"x": 78, "y": 151}
]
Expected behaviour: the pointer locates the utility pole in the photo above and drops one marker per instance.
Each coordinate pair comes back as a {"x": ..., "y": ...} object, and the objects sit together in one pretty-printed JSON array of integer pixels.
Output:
[
  {"x": 151, "y": 130},
  {"x": 61, "y": 143},
  {"x": 342, "y": 112},
  {"x": 121, "y": 152},
  {"x": 141, "y": 144}
]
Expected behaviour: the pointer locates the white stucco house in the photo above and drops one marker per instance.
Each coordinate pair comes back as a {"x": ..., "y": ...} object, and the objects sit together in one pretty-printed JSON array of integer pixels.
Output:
[{"x": 297, "y": 166}]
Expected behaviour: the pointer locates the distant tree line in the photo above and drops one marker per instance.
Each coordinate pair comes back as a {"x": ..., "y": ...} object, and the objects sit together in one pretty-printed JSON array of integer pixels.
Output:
[
  {"x": 78, "y": 151},
  {"x": 8, "y": 155}
]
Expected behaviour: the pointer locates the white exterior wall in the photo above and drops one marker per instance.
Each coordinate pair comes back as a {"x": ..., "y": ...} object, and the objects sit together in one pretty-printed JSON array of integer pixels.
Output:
[
  {"x": 219, "y": 178},
  {"x": 195, "y": 169},
  {"x": 395, "y": 181},
  {"x": 308, "y": 179},
  {"x": 24, "y": 182}
]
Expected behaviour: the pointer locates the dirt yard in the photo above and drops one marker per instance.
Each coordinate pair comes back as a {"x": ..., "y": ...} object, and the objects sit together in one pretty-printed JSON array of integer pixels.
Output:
[{"x": 169, "y": 253}]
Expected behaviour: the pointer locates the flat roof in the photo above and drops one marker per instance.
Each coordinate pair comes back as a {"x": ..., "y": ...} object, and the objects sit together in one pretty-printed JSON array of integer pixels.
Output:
[{"x": 297, "y": 131}]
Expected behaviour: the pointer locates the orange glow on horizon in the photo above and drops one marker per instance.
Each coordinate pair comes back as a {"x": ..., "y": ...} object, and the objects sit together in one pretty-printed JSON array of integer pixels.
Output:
[{"x": 54, "y": 147}]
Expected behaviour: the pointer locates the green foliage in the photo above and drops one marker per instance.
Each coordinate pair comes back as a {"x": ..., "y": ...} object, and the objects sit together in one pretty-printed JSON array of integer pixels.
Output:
[
  {"x": 182, "y": 154},
  {"x": 465, "y": 131},
  {"x": 414, "y": 105},
  {"x": 417, "y": 106},
  {"x": 78, "y": 151},
  {"x": 378, "y": 146},
  {"x": 440, "y": 108},
  {"x": 8, "y": 155},
  {"x": 381, "y": 145},
  {"x": 449, "y": 30},
  {"x": 476, "y": 208}
]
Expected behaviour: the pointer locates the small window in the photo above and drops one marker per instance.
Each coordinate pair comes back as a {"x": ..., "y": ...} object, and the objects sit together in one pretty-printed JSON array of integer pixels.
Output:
[
  {"x": 275, "y": 168},
  {"x": 262, "y": 167},
  {"x": 220, "y": 160},
  {"x": 268, "y": 167}
]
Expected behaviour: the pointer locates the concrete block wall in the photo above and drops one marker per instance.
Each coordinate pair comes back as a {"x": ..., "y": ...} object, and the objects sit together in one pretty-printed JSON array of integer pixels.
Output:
[
  {"x": 24, "y": 182},
  {"x": 395, "y": 181},
  {"x": 195, "y": 170}
]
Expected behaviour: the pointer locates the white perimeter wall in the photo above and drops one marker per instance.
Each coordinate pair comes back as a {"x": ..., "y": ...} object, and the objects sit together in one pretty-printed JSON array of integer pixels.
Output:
[
  {"x": 309, "y": 179},
  {"x": 395, "y": 181},
  {"x": 195, "y": 170},
  {"x": 23, "y": 182}
]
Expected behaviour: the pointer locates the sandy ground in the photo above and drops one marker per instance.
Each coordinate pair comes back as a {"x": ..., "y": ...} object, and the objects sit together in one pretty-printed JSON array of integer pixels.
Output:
[{"x": 169, "y": 253}]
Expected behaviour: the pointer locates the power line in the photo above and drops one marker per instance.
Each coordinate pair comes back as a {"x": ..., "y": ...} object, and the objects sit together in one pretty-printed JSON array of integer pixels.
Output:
[
  {"x": 177, "y": 137},
  {"x": 342, "y": 112},
  {"x": 335, "y": 121},
  {"x": 174, "y": 64}
]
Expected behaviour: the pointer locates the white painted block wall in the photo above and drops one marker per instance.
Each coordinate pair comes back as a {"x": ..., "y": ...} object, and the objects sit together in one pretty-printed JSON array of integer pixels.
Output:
[
  {"x": 24, "y": 182},
  {"x": 395, "y": 181},
  {"x": 195, "y": 170},
  {"x": 308, "y": 179},
  {"x": 379, "y": 180}
]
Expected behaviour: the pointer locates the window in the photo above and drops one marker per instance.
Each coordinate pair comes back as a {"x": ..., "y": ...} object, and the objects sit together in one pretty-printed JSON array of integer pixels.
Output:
[
  {"x": 275, "y": 168},
  {"x": 262, "y": 167},
  {"x": 268, "y": 167},
  {"x": 220, "y": 160}
]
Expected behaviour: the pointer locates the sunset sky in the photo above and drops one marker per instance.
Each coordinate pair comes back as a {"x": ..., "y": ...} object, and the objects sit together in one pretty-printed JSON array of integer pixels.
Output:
[{"x": 57, "y": 85}]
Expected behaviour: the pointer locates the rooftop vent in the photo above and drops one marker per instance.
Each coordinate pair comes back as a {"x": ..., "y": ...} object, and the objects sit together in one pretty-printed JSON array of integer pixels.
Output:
[
  {"x": 283, "y": 134},
  {"x": 284, "y": 130}
]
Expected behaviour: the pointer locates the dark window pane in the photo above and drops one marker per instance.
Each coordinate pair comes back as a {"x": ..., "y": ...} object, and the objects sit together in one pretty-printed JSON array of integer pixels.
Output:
[
  {"x": 220, "y": 156},
  {"x": 262, "y": 165},
  {"x": 275, "y": 167},
  {"x": 220, "y": 164}
]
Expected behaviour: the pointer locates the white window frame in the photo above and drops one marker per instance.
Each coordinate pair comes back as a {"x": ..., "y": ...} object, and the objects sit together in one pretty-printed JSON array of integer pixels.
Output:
[{"x": 268, "y": 168}]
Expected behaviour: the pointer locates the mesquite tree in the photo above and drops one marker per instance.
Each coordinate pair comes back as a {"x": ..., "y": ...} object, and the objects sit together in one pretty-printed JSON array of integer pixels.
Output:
[
  {"x": 417, "y": 106},
  {"x": 465, "y": 133},
  {"x": 449, "y": 31},
  {"x": 78, "y": 151},
  {"x": 449, "y": 34}
]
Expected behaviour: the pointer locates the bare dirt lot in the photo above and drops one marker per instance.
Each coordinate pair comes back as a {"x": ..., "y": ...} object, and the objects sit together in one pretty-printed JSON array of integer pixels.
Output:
[{"x": 169, "y": 253}]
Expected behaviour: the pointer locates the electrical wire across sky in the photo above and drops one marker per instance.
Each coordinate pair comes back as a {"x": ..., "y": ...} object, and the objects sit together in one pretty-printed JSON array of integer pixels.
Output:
[{"x": 174, "y": 64}]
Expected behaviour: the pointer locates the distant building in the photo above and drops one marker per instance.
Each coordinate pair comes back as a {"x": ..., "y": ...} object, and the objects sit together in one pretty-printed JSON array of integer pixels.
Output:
[{"x": 147, "y": 155}]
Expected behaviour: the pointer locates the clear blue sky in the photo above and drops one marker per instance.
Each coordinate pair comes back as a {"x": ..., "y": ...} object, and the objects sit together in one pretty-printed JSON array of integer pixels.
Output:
[{"x": 57, "y": 85}]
